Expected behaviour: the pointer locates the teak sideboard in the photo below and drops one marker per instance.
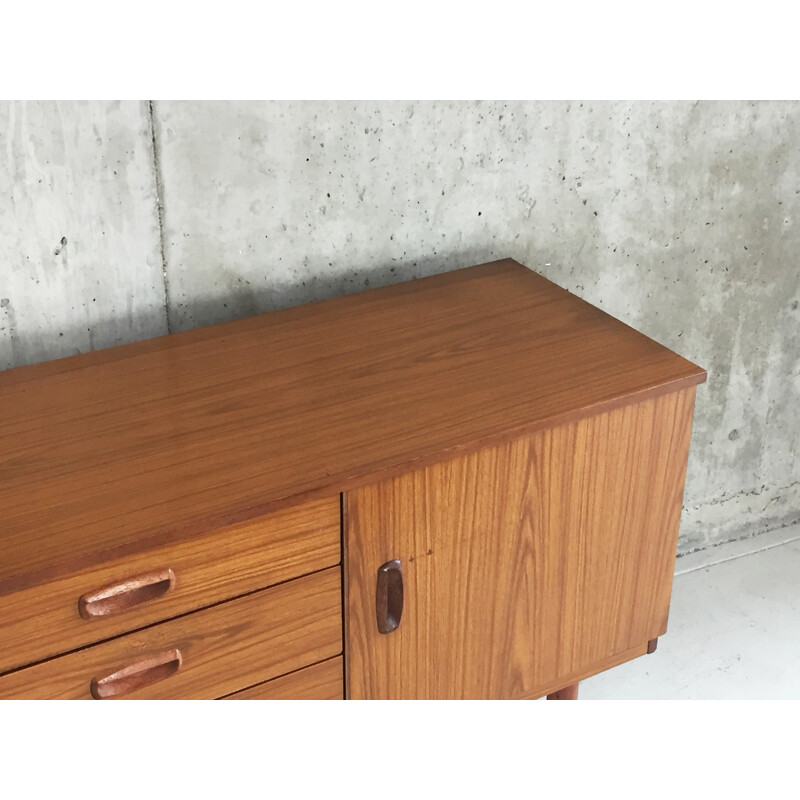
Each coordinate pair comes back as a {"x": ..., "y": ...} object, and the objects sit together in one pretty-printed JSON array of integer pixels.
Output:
[{"x": 462, "y": 486}]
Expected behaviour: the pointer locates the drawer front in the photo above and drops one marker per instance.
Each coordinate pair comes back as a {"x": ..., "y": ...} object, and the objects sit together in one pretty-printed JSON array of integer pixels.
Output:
[
  {"x": 323, "y": 681},
  {"x": 204, "y": 655},
  {"x": 45, "y": 620}
]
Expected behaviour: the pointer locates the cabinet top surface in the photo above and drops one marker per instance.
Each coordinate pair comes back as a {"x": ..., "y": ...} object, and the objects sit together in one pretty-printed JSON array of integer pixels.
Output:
[{"x": 116, "y": 450}]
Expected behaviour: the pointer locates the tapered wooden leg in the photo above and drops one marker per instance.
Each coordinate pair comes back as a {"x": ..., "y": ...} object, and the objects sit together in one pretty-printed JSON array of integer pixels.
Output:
[
  {"x": 651, "y": 645},
  {"x": 567, "y": 693}
]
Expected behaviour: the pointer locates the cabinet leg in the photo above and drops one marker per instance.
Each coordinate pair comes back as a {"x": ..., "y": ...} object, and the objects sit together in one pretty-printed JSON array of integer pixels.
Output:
[
  {"x": 651, "y": 645},
  {"x": 567, "y": 693}
]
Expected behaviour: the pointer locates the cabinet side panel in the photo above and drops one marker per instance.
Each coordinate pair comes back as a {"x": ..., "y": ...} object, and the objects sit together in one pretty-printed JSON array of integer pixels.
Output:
[{"x": 544, "y": 557}]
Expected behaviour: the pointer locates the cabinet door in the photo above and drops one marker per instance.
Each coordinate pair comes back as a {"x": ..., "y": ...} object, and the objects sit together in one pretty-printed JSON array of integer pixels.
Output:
[{"x": 527, "y": 565}]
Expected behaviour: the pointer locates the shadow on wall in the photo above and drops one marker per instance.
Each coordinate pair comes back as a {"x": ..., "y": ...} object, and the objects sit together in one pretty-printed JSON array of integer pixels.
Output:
[
  {"x": 240, "y": 297},
  {"x": 16, "y": 350},
  {"x": 237, "y": 298}
]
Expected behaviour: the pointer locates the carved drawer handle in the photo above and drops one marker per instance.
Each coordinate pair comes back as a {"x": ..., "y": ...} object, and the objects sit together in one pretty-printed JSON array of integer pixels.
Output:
[
  {"x": 135, "y": 676},
  {"x": 389, "y": 596},
  {"x": 118, "y": 597}
]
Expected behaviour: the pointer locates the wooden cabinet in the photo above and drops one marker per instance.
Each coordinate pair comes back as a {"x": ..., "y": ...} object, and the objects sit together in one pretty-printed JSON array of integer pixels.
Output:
[
  {"x": 526, "y": 565},
  {"x": 208, "y": 514}
]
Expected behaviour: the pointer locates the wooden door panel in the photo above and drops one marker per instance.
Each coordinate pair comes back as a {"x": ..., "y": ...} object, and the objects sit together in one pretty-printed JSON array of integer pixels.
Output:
[{"x": 545, "y": 557}]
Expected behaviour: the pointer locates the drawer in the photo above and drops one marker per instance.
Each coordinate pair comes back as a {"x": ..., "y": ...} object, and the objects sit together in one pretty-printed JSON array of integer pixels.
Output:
[
  {"x": 323, "y": 681},
  {"x": 204, "y": 655},
  {"x": 45, "y": 620}
]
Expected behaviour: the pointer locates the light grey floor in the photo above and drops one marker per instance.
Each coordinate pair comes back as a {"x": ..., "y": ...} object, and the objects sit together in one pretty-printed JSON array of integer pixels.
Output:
[{"x": 734, "y": 629}]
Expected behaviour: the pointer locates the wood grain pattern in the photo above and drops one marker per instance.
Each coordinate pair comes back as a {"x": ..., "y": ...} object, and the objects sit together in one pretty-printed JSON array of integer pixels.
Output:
[
  {"x": 576, "y": 677},
  {"x": 223, "y": 649},
  {"x": 527, "y": 565},
  {"x": 323, "y": 681},
  {"x": 44, "y": 620},
  {"x": 112, "y": 453}
]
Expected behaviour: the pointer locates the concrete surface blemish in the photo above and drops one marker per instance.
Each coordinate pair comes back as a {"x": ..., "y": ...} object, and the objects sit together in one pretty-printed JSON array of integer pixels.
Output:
[{"x": 61, "y": 245}]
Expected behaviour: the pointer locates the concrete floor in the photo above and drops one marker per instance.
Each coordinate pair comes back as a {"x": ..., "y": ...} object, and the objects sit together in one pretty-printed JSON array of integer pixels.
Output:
[{"x": 734, "y": 629}]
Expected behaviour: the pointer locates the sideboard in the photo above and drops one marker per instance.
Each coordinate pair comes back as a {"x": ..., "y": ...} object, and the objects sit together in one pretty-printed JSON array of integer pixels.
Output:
[{"x": 462, "y": 486}]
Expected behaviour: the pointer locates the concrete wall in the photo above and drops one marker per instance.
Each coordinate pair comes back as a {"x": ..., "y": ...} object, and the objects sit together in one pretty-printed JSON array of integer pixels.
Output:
[{"x": 678, "y": 218}]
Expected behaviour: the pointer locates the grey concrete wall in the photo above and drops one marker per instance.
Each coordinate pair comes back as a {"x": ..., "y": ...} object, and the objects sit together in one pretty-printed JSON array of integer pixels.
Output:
[
  {"x": 80, "y": 262},
  {"x": 678, "y": 218}
]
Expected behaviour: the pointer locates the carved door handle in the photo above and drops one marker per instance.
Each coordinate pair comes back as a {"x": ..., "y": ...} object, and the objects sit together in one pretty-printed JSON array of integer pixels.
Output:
[
  {"x": 122, "y": 595},
  {"x": 135, "y": 676},
  {"x": 389, "y": 596}
]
